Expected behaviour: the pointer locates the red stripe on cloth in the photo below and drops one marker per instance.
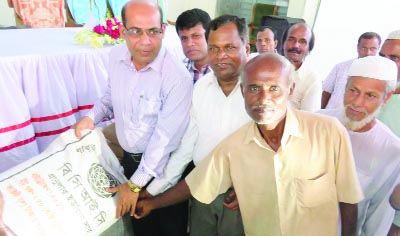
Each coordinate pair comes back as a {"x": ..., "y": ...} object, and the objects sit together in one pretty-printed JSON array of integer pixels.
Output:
[
  {"x": 61, "y": 115},
  {"x": 85, "y": 107},
  {"x": 17, "y": 144},
  {"x": 14, "y": 127},
  {"x": 53, "y": 132}
]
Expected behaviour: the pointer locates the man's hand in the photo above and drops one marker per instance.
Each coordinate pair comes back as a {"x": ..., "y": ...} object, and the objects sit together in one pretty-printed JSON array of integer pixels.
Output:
[
  {"x": 85, "y": 123},
  {"x": 144, "y": 194},
  {"x": 394, "y": 231},
  {"x": 126, "y": 201},
  {"x": 231, "y": 201},
  {"x": 144, "y": 207}
]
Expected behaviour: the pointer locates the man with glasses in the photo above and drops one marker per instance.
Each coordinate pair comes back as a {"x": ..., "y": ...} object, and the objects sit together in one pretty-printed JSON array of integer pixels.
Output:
[
  {"x": 149, "y": 94},
  {"x": 334, "y": 85}
]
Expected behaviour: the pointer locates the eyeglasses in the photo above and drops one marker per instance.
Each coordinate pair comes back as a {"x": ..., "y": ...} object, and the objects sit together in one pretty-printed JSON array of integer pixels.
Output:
[
  {"x": 229, "y": 49},
  {"x": 137, "y": 32}
]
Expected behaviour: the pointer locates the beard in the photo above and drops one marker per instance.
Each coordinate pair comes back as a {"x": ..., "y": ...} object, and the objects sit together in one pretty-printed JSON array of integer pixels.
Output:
[{"x": 356, "y": 125}]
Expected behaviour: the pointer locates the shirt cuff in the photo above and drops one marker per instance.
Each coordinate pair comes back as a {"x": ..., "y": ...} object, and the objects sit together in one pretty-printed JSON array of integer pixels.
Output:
[
  {"x": 141, "y": 178},
  {"x": 158, "y": 186},
  {"x": 396, "y": 220},
  {"x": 95, "y": 114}
]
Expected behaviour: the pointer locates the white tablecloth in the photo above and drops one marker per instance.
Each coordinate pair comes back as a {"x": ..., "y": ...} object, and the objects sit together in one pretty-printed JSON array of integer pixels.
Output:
[{"x": 47, "y": 82}]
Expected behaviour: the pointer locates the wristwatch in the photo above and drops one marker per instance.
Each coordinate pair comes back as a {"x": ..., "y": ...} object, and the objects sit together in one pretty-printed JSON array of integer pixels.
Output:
[{"x": 133, "y": 187}]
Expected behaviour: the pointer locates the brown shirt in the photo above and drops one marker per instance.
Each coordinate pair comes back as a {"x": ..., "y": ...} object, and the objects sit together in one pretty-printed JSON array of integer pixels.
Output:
[{"x": 294, "y": 191}]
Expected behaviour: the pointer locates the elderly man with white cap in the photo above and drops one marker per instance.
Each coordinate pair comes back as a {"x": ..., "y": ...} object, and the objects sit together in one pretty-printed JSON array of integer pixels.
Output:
[
  {"x": 376, "y": 148},
  {"x": 390, "y": 113}
]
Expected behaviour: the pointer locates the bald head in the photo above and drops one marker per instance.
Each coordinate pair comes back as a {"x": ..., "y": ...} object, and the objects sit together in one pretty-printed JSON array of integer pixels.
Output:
[
  {"x": 267, "y": 62},
  {"x": 142, "y": 5}
]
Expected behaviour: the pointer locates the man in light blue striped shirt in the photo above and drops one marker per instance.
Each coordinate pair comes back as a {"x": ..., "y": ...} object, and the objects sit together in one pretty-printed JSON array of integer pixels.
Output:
[{"x": 149, "y": 94}]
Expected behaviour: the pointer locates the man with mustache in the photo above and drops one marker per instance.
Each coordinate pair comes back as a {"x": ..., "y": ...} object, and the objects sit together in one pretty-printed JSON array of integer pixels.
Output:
[
  {"x": 376, "y": 148},
  {"x": 266, "y": 41},
  {"x": 191, "y": 27},
  {"x": 217, "y": 111},
  {"x": 298, "y": 42},
  {"x": 292, "y": 170},
  {"x": 334, "y": 85}
]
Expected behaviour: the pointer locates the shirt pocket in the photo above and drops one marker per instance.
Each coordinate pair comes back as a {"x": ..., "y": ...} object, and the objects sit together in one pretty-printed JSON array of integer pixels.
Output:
[
  {"x": 148, "y": 109},
  {"x": 314, "y": 192}
]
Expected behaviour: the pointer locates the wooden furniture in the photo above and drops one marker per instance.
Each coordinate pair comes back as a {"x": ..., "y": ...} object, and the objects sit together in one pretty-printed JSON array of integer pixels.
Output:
[{"x": 259, "y": 10}]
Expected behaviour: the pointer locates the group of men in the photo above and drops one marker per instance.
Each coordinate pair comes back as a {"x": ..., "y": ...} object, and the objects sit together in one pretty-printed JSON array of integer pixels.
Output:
[{"x": 264, "y": 163}]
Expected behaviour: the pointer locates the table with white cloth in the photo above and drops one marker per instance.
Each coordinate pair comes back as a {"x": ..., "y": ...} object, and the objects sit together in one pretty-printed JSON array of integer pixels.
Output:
[{"x": 47, "y": 83}]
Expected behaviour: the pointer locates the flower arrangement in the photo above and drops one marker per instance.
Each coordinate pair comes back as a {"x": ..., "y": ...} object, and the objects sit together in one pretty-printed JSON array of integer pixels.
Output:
[{"x": 107, "y": 32}]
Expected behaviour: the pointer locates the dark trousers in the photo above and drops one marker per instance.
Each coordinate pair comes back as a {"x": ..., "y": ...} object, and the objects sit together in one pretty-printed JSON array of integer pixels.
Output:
[{"x": 168, "y": 221}]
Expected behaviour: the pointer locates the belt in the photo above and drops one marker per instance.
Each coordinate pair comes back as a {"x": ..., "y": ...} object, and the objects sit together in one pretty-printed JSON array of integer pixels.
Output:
[{"x": 135, "y": 156}]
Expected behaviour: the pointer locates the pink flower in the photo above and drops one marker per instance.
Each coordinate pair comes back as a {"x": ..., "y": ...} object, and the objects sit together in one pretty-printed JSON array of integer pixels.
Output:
[
  {"x": 99, "y": 29},
  {"x": 114, "y": 34}
]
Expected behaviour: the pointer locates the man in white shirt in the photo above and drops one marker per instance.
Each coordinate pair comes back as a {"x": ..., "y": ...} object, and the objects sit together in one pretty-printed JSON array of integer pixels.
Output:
[
  {"x": 217, "y": 111},
  {"x": 298, "y": 42},
  {"x": 266, "y": 42},
  {"x": 376, "y": 148},
  {"x": 334, "y": 85}
]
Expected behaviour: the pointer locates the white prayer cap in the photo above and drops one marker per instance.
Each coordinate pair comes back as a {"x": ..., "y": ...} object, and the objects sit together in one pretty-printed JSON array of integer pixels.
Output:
[
  {"x": 394, "y": 35},
  {"x": 374, "y": 67}
]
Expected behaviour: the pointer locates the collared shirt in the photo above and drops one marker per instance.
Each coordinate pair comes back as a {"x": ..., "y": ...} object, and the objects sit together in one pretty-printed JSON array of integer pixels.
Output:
[
  {"x": 378, "y": 169},
  {"x": 335, "y": 84},
  {"x": 294, "y": 191},
  {"x": 196, "y": 74},
  {"x": 151, "y": 108},
  {"x": 213, "y": 117},
  {"x": 308, "y": 89}
]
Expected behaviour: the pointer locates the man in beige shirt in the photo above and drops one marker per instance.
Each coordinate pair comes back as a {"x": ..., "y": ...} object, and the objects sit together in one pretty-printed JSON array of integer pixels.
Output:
[{"x": 292, "y": 170}]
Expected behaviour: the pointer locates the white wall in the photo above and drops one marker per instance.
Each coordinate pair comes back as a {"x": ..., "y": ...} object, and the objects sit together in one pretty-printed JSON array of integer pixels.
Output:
[
  {"x": 339, "y": 23},
  {"x": 176, "y": 7},
  {"x": 7, "y": 14},
  {"x": 305, "y": 9}
]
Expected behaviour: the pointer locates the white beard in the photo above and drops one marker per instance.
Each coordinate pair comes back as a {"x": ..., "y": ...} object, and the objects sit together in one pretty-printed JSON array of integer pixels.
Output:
[{"x": 356, "y": 125}]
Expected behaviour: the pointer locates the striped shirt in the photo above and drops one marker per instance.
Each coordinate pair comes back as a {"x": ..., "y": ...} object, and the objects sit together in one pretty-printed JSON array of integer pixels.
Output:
[
  {"x": 151, "y": 108},
  {"x": 196, "y": 74}
]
